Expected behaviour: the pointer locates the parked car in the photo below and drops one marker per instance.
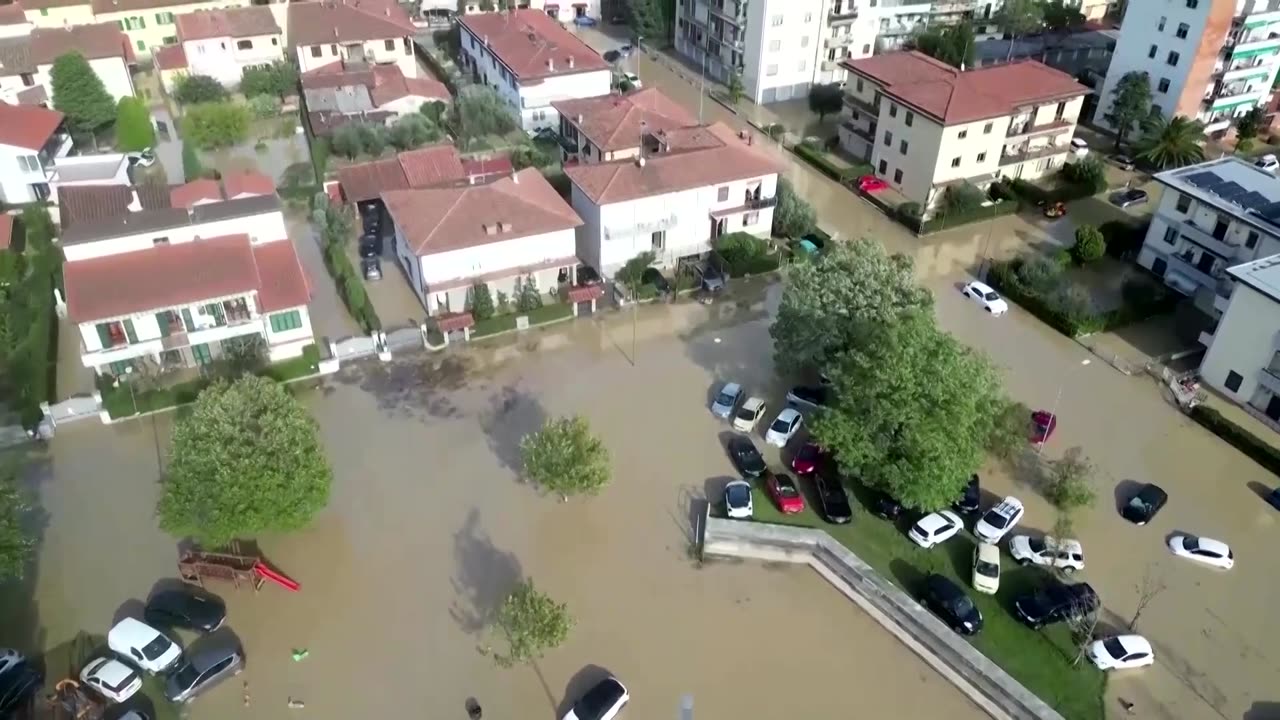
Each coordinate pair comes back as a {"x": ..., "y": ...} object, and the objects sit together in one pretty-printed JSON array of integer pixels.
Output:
[
  {"x": 999, "y": 520},
  {"x": 712, "y": 280},
  {"x": 143, "y": 158},
  {"x": 746, "y": 457},
  {"x": 1124, "y": 162},
  {"x": 19, "y": 683},
  {"x": 602, "y": 702},
  {"x": 1273, "y": 498},
  {"x": 147, "y": 647},
  {"x": 807, "y": 459},
  {"x": 986, "y": 568},
  {"x": 987, "y": 298},
  {"x": 1268, "y": 162},
  {"x": 653, "y": 276},
  {"x": 1068, "y": 555},
  {"x": 633, "y": 79},
  {"x": 785, "y": 493},
  {"x": 185, "y": 609},
  {"x": 626, "y": 50},
  {"x": 203, "y": 669},
  {"x": 748, "y": 416},
  {"x": 737, "y": 500},
  {"x": 784, "y": 427},
  {"x": 969, "y": 500},
  {"x": 807, "y": 396},
  {"x": 9, "y": 659},
  {"x": 726, "y": 400},
  {"x": 884, "y": 505},
  {"x": 611, "y": 56},
  {"x": 370, "y": 248},
  {"x": 371, "y": 267},
  {"x": 1129, "y": 198},
  {"x": 1055, "y": 603},
  {"x": 1079, "y": 147},
  {"x": 1143, "y": 506},
  {"x": 832, "y": 498},
  {"x": 1203, "y": 550},
  {"x": 1043, "y": 423},
  {"x": 935, "y": 528},
  {"x": 1121, "y": 652},
  {"x": 871, "y": 183},
  {"x": 111, "y": 678},
  {"x": 951, "y": 605}
]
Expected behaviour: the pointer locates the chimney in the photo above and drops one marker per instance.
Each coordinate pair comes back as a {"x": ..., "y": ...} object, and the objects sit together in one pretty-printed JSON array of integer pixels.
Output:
[
  {"x": 503, "y": 226},
  {"x": 387, "y": 12},
  {"x": 570, "y": 62},
  {"x": 135, "y": 205},
  {"x": 551, "y": 64},
  {"x": 335, "y": 32}
]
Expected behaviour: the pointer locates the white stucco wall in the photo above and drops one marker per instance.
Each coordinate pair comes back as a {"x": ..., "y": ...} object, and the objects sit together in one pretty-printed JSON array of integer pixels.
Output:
[
  {"x": 264, "y": 227},
  {"x": 15, "y": 181},
  {"x": 113, "y": 72},
  {"x": 61, "y": 16},
  {"x": 375, "y": 51},
  {"x": 222, "y": 59},
  {"x": 1245, "y": 342}
]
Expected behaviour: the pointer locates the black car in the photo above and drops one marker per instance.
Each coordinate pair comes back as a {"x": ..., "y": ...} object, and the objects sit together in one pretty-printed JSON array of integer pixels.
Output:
[
  {"x": 1055, "y": 603},
  {"x": 651, "y": 276},
  {"x": 883, "y": 504},
  {"x": 603, "y": 700},
  {"x": 832, "y": 498},
  {"x": 712, "y": 280},
  {"x": 18, "y": 685},
  {"x": 185, "y": 609},
  {"x": 1129, "y": 198},
  {"x": 1273, "y": 497},
  {"x": 612, "y": 56},
  {"x": 949, "y": 603},
  {"x": 808, "y": 395},
  {"x": 371, "y": 268},
  {"x": 746, "y": 457},
  {"x": 968, "y": 502},
  {"x": 370, "y": 248},
  {"x": 1144, "y": 506}
]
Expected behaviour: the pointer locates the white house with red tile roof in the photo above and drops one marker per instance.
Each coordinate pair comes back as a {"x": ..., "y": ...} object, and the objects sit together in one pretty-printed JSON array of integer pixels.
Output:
[
  {"x": 448, "y": 238},
  {"x": 175, "y": 278},
  {"x": 32, "y": 139},
  {"x": 609, "y": 127},
  {"x": 336, "y": 95},
  {"x": 686, "y": 188},
  {"x": 374, "y": 32},
  {"x": 13, "y": 21},
  {"x": 26, "y": 60},
  {"x": 221, "y": 44},
  {"x": 532, "y": 62}
]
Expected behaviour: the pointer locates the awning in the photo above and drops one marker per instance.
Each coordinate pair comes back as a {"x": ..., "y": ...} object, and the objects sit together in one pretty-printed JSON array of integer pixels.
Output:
[
  {"x": 1254, "y": 52},
  {"x": 1220, "y": 105},
  {"x": 455, "y": 322},
  {"x": 585, "y": 293}
]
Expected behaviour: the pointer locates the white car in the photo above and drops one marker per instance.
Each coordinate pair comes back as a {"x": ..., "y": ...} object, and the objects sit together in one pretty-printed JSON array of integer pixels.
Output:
[
  {"x": 1079, "y": 147},
  {"x": 737, "y": 500},
  {"x": 935, "y": 528},
  {"x": 999, "y": 520},
  {"x": 749, "y": 415},
  {"x": 726, "y": 400},
  {"x": 986, "y": 568},
  {"x": 1121, "y": 652},
  {"x": 1213, "y": 553},
  {"x": 145, "y": 646},
  {"x": 1268, "y": 162},
  {"x": 986, "y": 297},
  {"x": 634, "y": 79},
  {"x": 111, "y": 679},
  {"x": 1048, "y": 551},
  {"x": 784, "y": 427},
  {"x": 146, "y": 158},
  {"x": 602, "y": 702}
]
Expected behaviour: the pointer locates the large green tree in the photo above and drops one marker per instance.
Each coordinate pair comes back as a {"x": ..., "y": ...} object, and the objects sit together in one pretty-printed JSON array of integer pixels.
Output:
[
  {"x": 952, "y": 44},
  {"x": 793, "y": 216},
  {"x": 530, "y": 623},
  {"x": 829, "y": 305},
  {"x": 479, "y": 111},
  {"x": 1130, "y": 104},
  {"x": 245, "y": 460},
  {"x": 825, "y": 100},
  {"x": 16, "y": 541},
  {"x": 1060, "y": 16},
  {"x": 211, "y": 126},
  {"x": 911, "y": 413},
  {"x": 1248, "y": 125},
  {"x": 79, "y": 94},
  {"x": 649, "y": 19},
  {"x": 279, "y": 79},
  {"x": 1018, "y": 18},
  {"x": 565, "y": 458},
  {"x": 134, "y": 131},
  {"x": 194, "y": 89},
  {"x": 1172, "y": 143}
]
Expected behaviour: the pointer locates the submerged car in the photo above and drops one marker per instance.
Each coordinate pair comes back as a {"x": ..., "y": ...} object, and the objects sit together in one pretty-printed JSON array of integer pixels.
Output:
[
  {"x": 807, "y": 396},
  {"x": 951, "y": 605},
  {"x": 1143, "y": 506},
  {"x": 1043, "y": 423},
  {"x": 19, "y": 684},
  {"x": 185, "y": 609},
  {"x": 203, "y": 669},
  {"x": 1121, "y": 652},
  {"x": 602, "y": 702},
  {"x": 142, "y": 644},
  {"x": 726, "y": 400},
  {"x": 1129, "y": 198},
  {"x": 1203, "y": 550},
  {"x": 986, "y": 298},
  {"x": 1066, "y": 554},
  {"x": 1055, "y": 603},
  {"x": 746, "y": 457},
  {"x": 111, "y": 678},
  {"x": 748, "y": 416},
  {"x": 737, "y": 500}
]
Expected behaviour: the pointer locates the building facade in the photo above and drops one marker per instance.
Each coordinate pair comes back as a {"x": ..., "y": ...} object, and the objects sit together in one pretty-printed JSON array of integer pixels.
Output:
[
  {"x": 1243, "y": 361},
  {"x": 926, "y": 126},
  {"x": 222, "y": 44},
  {"x": 32, "y": 140},
  {"x": 58, "y": 13},
  {"x": 611, "y": 127},
  {"x": 27, "y": 61},
  {"x": 1210, "y": 60},
  {"x": 353, "y": 32}
]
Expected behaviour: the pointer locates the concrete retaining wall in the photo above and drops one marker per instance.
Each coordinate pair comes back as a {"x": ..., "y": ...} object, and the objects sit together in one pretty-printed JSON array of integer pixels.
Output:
[{"x": 988, "y": 686}]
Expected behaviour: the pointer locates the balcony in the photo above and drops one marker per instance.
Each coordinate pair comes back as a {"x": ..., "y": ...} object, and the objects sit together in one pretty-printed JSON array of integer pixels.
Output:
[
  {"x": 1183, "y": 267},
  {"x": 866, "y": 134},
  {"x": 1018, "y": 155},
  {"x": 857, "y": 103},
  {"x": 837, "y": 42},
  {"x": 1205, "y": 339},
  {"x": 830, "y": 65},
  {"x": 1026, "y": 129},
  {"x": 945, "y": 6},
  {"x": 1269, "y": 378},
  {"x": 1254, "y": 69},
  {"x": 1204, "y": 238},
  {"x": 841, "y": 14},
  {"x": 1260, "y": 20},
  {"x": 734, "y": 17},
  {"x": 1255, "y": 47}
]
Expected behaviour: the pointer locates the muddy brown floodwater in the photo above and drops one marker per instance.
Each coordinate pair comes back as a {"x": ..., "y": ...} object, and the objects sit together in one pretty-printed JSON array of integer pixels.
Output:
[{"x": 428, "y": 527}]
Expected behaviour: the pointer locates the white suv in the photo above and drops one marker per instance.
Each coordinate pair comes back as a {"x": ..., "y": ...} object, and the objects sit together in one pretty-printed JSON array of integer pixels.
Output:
[
  {"x": 143, "y": 645},
  {"x": 1050, "y": 552},
  {"x": 999, "y": 520}
]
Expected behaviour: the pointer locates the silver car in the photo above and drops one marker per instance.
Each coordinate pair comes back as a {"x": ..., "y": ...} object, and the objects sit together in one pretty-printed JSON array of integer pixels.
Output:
[
  {"x": 725, "y": 402},
  {"x": 201, "y": 669}
]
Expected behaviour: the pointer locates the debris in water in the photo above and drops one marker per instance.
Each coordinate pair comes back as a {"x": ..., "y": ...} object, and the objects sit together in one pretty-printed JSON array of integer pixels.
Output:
[
  {"x": 300, "y": 655},
  {"x": 717, "y": 340},
  {"x": 296, "y": 704}
]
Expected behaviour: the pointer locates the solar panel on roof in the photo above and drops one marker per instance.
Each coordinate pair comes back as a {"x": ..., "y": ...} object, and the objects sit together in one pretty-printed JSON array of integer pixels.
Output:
[
  {"x": 1204, "y": 179},
  {"x": 1229, "y": 190},
  {"x": 1270, "y": 211},
  {"x": 1253, "y": 201}
]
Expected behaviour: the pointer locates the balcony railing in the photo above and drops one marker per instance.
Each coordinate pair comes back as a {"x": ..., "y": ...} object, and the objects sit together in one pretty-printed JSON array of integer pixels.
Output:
[
  {"x": 865, "y": 134},
  {"x": 843, "y": 13},
  {"x": 858, "y": 103},
  {"x": 1204, "y": 238},
  {"x": 1027, "y": 129},
  {"x": 1183, "y": 267},
  {"x": 1021, "y": 155},
  {"x": 838, "y": 41}
]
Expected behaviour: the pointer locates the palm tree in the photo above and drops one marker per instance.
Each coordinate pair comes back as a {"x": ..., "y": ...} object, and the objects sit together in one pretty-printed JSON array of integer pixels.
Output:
[{"x": 1171, "y": 143}]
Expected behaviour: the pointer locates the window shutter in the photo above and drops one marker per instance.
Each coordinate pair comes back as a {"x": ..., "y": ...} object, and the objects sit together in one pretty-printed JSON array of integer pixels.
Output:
[
  {"x": 187, "y": 322},
  {"x": 162, "y": 320},
  {"x": 104, "y": 334},
  {"x": 142, "y": 23},
  {"x": 129, "y": 331}
]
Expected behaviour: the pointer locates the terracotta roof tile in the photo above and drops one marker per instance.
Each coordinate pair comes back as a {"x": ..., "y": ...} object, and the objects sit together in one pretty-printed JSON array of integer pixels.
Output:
[
  {"x": 12, "y": 14},
  {"x": 230, "y": 22},
  {"x": 27, "y": 126},
  {"x": 330, "y": 21},
  {"x": 436, "y": 220},
  {"x": 247, "y": 183},
  {"x": 283, "y": 281},
  {"x": 431, "y": 165},
  {"x": 951, "y": 96},
  {"x": 696, "y": 157},
  {"x": 613, "y": 122},
  {"x": 6, "y": 231},
  {"x": 390, "y": 83},
  {"x": 368, "y": 180},
  {"x": 94, "y": 41},
  {"x": 481, "y": 168},
  {"x": 531, "y": 44},
  {"x": 15, "y": 55},
  {"x": 45, "y": 4},
  {"x": 426, "y": 166},
  {"x": 193, "y": 193},
  {"x": 88, "y": 204},
  {"x": 170, "y": 57}
]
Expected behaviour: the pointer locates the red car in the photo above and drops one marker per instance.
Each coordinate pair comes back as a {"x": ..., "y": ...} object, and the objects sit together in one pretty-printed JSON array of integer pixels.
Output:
[
  {"x": 871, "y": 183},
  {"x": 806, "y": 461},
  {"x": 785, "y": 493},
  {"x": 1042, "y": 426}
]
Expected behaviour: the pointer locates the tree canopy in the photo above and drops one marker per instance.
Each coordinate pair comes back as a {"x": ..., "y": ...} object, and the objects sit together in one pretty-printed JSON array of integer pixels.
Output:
[
  {"x": 194, "y": 89},
  {"x": 911, "y": 413},
  {"x": 1060, "y": 16},
  {"x": 279, "y": 79},
  {"x": 134, "y": 131},
  {"x": 530, "y": 623},
  {"x": 79, "y": 94},
  {"x": 952, "y": 44},
  {"x": 1020, "y": 17},
  {"x": 1171, "y": 143},
  {"x": 825, "y": 100},
  {"x": 735, "y": 88},
  {"x": 829, "y": 305},
  {"x": 479, "y": 111},
  {"x": 1248, "y": 125},
  {"x": 650, "y": 19},
  {"x": 16, "y": 542},
  {"x": 793, "y": 216},
  {"x": 565, "y": 458},
  {"x": 1130, "y": 103},
  {"x": 245, "y": 460},
  {"x": 211, "y": 126}
]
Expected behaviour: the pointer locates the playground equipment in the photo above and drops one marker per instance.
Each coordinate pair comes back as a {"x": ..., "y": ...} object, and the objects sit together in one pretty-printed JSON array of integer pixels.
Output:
[
  {"x": 195, "y": 566},
  {"x": 69, "y": 701}
]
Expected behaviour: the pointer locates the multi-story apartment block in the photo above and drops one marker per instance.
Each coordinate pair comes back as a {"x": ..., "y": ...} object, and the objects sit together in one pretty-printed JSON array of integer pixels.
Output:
[
  {"x": 1211, "y": 216},
  {"x": 611, "y": 127},
  {"x": 354, "y": 32},
  {"x": 1243, "y": 361},
  {"x": 221, "y": 44},
  {"x": 1211, "y": 60},
  {"x": 25, "y": 61},
  {"x": 532, "y": 62},
  {"x": 926, "y": 126}
]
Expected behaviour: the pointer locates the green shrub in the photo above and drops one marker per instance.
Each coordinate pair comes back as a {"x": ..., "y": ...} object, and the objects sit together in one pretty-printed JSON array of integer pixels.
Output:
[
  {"x": 134, "y": 131},
  {"x": 946, "y": 220},
  {"x": 1089, "y": 246},
  {"x": 264, "y": 106},
  {"x": 194, "y": 89},
  {"x": 962, "y": 198},
  {"x": 1246, "y": 442},
  {"x": 320, "y": 158},
  {"x": 481, "y": 302},
  {"x": 1124, "y": 239},
  {"x": 745, "y": 254},
  {"x": 527, "y": 295},
  {"x": 192, "y": 169},
  {"x": 813, "y": 154},
  {"x": 1088, "y": 173}
]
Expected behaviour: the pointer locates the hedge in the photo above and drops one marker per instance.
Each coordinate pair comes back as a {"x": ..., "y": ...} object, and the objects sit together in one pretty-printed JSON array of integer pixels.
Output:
[
  {"x": 741, "y": 254},
  {"x": 1135, "y": 308},
  {"x": 351, "y": 288},
  {"x": 1246, "y": 442},
  {"x": 818, "y": 159},
  {"x": 537, "y": 316},
  {"x": 1031, "y": 193},
  {"x": 954, "y": 219}
]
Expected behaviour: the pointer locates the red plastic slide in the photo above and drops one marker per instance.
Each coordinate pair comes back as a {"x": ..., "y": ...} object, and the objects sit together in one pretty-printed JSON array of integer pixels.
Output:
[{"x": 282, "y": 580}]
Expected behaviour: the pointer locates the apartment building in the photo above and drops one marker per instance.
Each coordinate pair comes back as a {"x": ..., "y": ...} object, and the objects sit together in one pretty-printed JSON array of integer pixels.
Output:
[
  {"x": 1243, "y": 361},
  {"x": 532, "y": 62},
  {"x": 1211, "y": 60},
  {"x": 176, "y": 276},
  {"x": 32, "y": 140},
  {"x": 612, "y": 127},
  {"x": 926, "y": 126},
  {"x": 58, "y": 13},
  {"x": 25, "y": 61},
  {"x": 221, "y": 44},
  {"x": 354, "y": 32},
  {"x": 685, "y": 188}
]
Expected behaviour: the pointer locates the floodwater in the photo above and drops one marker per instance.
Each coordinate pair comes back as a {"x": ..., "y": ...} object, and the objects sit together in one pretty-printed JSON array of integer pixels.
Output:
[{"x": 429, "y": 526}]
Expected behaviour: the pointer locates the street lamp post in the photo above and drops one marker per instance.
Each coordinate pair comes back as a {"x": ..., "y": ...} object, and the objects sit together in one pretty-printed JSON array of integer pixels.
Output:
[
  {"x": 128, "y": 371},
  {"x": 1053, "y": 413}
]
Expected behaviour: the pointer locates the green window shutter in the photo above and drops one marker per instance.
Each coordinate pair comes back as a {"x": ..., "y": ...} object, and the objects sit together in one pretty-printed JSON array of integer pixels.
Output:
[
  {"x": 215, "y": 309},
  {"x": 162, "y": 320},
  {"x": 187, "y": 322},
  {"x": 275, "y": 323},
  {"x": 142, "y": 23},
  {"x": 104, "y": 334},
  {"x": 142, "y": 45},
  {"x": 122, "y": 25},
  {"x": 129, "y": 331},
  {"x": 44, "y": 12},
  {"x": 281, "y": 322},
  {"x": 200, "y": 353}
]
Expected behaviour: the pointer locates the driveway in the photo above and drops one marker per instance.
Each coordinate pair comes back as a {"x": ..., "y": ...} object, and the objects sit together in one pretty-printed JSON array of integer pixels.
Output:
[{"x": 329, "y": 316}]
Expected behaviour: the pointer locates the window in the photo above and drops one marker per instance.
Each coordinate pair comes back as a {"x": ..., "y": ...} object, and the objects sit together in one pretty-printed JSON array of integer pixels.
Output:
[
  {"x": 1193, "y": 4},
  {"x": 909, "y": 118},
  {"x": 804, "y": 41},
  {"x": 1163, "y": 85},
  {"x": 955, "y": 162},
  {"x": 775, "y": 45},
  {"x": 722, "y": 193},
  {"x": 274, "y": 41},
  {"x": 776, "y": 20},
  {"x": 1182, "y": 30},
  {"x": 164, "y": 18},
  {"x": 28, "y": 80},
  {"x": 808, "y": 17},
  {"x": 771, "y": 70},
  {"x": 888, "y": 139},
  {"x": 982, "y": 157},
  {"x": 316, "y": 51},
  {"x": 902, "y": 147},
  {"x": 333, "y": 50},
  {"x": 244, "y": 44},
  {"x": 121, "y": 368},
  {"x": 159, "y": 241},
  {"x": 1251, "y": 241},
  {"x": 897, "y": 177},
  {"x": 1184, "y": 203},
  {"x": 30, "y": 163},
  {"x": 986, "y": 129},
  {"x": 1172, "y": 59},
  {"x": 1155, "y": 110},
  {"x": 962, "y": 134},
  {"x": 200, "y": 353},
  {"x": 866, "y": 49},
  {"x": 1151, "y": 53},
  {"x": 893, "y": 110},
  {"x": 44, "y": 12},
  {"x": 283, "y": 322},
  {"x": 1170, "y": 235},
  {"x": 750, "y": 219},
  {"x": 1160, "y": 26},
  {"x": 802, "y": 65},
  {"x": 859, "y": 85},
  {"x": 1233, "y": 381},
  {"x": 389, "y": 44}
]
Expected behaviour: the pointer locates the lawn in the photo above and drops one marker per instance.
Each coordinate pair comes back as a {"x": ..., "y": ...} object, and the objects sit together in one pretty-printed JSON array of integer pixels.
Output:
[{"x": 1042, "y": 661}]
